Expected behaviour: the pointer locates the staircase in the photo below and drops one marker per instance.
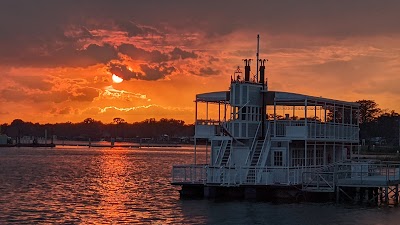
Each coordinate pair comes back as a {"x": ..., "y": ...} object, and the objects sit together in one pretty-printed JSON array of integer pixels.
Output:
[
  {"x": 251, "y": 175},
  {"x": 257, "y": 153},
  {"x": 259, "y": 157},
  {"x": 227, "y": 153}
]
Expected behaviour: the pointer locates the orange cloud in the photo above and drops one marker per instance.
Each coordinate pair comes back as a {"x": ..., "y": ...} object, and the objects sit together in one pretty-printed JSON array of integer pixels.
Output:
[{"x": 59, "y": 66}]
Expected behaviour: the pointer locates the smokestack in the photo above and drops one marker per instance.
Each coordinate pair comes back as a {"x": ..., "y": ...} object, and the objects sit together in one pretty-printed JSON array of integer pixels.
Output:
[
  {"x": 262, "y": 71},
  {"x": 257, "y": 55},
  {"x": 247, "y": 69}
]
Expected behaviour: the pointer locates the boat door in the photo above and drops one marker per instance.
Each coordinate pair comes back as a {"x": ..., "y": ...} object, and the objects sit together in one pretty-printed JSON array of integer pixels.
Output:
[{"x": 278, "y": 156}]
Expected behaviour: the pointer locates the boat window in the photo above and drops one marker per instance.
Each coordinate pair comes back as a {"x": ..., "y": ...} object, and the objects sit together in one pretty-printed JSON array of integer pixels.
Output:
[{"x": 278, "y": 158}]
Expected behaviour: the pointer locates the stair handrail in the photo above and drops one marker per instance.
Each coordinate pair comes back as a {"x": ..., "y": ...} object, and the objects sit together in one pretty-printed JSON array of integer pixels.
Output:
[
  {"x": 229, "y": 156},
  {"x": 266, "y": 141},
  {"x": 229, "y": 133},
  {"x": 239, "y": 109},
  {"x": 230, "y": 153},
  {"x": 253, "y": 146},
  {"x": 266, "y": 145},
  {"x": 224, "y": 143}
]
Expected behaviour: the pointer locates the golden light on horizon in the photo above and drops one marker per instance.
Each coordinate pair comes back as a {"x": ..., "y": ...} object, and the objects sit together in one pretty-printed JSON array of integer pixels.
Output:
[
  {"x": 116, "y": 79},
  {"x": 69, "y": 74}
]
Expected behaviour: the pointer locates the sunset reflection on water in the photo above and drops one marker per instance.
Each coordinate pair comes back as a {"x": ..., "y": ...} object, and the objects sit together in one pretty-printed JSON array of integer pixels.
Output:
[
  {"x": 90, "y": 186},
  {"x": 132, "y": 186},
  {"x": 112, "y": 187}
]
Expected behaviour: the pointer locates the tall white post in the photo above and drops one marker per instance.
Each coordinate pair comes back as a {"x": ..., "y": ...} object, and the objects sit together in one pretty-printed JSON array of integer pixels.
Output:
[
  {"x": 195, "y": 124},
  {"x": 306, "y": 125},
  {"x": 258, "y": 50},
  {"x": 207, "y": 111},
  {"x": 207, "y": 151}
]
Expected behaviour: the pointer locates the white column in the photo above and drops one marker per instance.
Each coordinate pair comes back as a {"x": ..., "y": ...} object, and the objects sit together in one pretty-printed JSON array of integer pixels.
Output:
[
  {"x": 207, "y": 151},
  {"x": 207, "y": 111},
  {"x": 324, "y": 162},
  {"x": 274, "y": 118},
  {"x": 195, "y": 124}
]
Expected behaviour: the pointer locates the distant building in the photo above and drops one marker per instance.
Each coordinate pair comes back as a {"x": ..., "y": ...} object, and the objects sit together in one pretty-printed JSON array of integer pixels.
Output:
[{"x": 3, "y": 139}]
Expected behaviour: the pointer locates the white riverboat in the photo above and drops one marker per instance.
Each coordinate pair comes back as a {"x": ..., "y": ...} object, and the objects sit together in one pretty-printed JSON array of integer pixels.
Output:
[{"x": 263, "y": 140}]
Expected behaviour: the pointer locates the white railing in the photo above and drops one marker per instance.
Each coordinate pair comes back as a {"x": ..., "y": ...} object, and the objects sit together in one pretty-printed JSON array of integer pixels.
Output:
[
  {"x": 224, "y": 176},
  {"x": 235, "y": 176},
  {"x": 281, "y": 125},
  {"x": 209, "y": 122},
  {"x": 318, "y": 181},
  {"x": 332, "y": 131},
  {"x": 317, "y": 130},
  {"x": 367, "y": 173},
  {"x": 231, "y": 176},
  {"x": 195, "y": 174}
]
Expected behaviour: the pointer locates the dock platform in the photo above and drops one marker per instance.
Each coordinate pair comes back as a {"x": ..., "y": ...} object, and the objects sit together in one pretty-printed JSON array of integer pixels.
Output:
[{"x": 372, "y": 182}]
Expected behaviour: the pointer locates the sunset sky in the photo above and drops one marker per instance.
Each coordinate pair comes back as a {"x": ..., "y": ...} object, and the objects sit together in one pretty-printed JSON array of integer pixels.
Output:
[{"x": 57, "y": 58}]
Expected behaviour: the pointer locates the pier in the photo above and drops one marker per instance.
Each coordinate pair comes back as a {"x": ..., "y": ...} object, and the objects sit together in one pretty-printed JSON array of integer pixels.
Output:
[{"x": 364, "y": 182}]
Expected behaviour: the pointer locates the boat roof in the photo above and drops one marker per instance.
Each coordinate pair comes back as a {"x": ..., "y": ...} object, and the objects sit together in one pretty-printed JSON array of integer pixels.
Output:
[
  {"x": 279, "y": 97},
  {"x": 292, "y": 98},
  {"x": 217, "y": 97}
]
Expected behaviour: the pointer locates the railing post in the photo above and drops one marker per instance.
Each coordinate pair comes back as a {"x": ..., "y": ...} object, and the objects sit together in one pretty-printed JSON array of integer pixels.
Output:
[
  {"x": 361, "y": 173},
  {"x": 398, "y": 172},
  {"x": 184, "y": 172}
]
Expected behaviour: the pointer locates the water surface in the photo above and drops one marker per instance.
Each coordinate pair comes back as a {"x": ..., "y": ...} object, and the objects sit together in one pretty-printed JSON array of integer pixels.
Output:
[{"x": 100, "y": 185}]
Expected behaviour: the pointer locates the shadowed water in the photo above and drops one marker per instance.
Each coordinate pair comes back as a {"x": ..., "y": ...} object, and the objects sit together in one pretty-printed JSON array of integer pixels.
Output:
[{"x": 84, "y": 186}]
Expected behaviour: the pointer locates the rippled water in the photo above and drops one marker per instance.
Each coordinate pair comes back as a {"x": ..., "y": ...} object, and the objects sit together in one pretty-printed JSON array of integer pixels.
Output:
[{"x": 84, "y": 186}]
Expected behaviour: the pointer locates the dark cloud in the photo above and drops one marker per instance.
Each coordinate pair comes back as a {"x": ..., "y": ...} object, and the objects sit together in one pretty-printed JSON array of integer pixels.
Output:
[
  {"x": 213, "y": 59},
  {"x": 141, "y": 54},
  {"x": 345, "y": 18},
  {"x": 205, "y": 71},
  {"x": 178, "y": 53},
  {"x": 48, "y": 33},
  {"x": 208, "y": 71},
  {"x": 155, "y": 56},
  {"x": 134, "y": 29},
  {"x": 148, "y": 72},
  {"x": 123, "y": 71},
  {"x": 65, "y": 56},
  {"x": 156, "y": 72}
]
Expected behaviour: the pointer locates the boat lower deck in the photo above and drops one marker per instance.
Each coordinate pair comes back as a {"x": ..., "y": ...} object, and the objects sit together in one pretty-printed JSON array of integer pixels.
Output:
[
  {"x": 280, "y": 193},
  {"x": 349, "y": 181}
]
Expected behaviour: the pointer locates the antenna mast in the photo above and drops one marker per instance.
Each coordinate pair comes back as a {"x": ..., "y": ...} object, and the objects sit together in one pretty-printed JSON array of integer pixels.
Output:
[{"x": 258, "y": 50}]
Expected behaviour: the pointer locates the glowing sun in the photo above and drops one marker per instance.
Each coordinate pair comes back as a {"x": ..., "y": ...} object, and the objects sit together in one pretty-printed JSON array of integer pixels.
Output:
[{"x": 116, "y": 79}]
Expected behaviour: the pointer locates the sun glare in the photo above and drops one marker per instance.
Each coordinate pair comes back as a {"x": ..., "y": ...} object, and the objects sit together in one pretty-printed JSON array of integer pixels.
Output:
[{"x": 116, "y": 79}]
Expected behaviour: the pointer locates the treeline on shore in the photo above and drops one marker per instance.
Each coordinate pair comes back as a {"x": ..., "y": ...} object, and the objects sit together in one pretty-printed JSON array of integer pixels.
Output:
[{"x": 119, "y": 129}]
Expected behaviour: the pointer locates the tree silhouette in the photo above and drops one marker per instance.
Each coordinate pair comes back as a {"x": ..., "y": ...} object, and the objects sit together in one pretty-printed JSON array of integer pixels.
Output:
[
  {"x": 118, "y": 120},
  {"x": 88, "y": 121},
  {"x": 369, "y": 110}
]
